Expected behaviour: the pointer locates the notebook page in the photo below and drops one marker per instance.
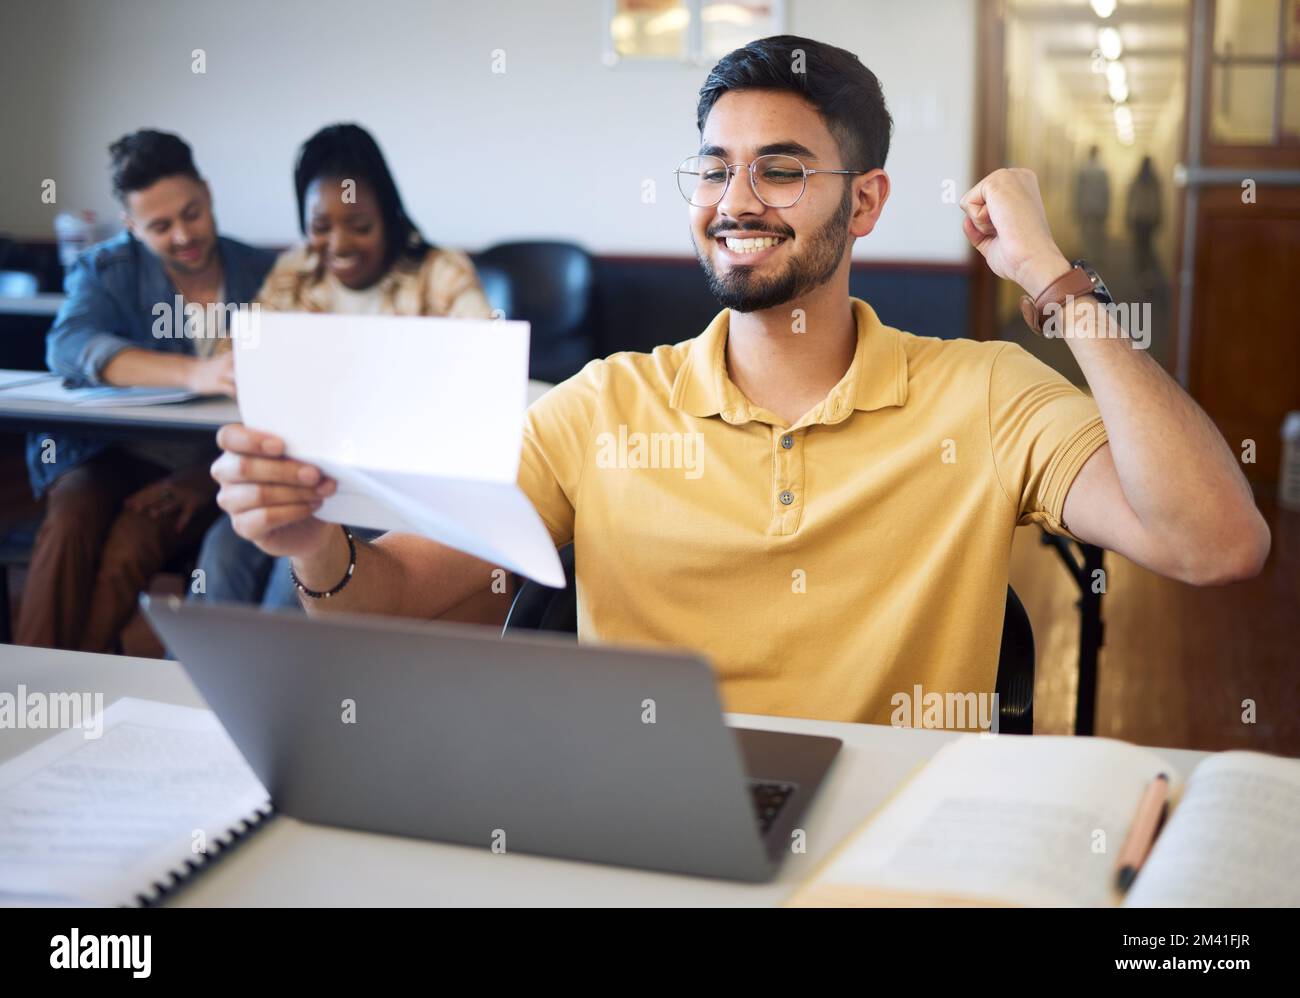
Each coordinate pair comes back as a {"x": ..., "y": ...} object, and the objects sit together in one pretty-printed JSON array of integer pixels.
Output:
[
  {"x": 1233, "y": 840},
  {"x": 51, "y": 389},
  {"x": 13, "y": 379},
  {"x": 1032, "y": 821},
  {"x": 108, "y": 397},
  {"x": 99, "y": 820}
]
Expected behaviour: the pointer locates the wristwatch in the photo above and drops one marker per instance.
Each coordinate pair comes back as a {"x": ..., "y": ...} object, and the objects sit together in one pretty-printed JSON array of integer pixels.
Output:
[{"x": 1079, "y": 280}]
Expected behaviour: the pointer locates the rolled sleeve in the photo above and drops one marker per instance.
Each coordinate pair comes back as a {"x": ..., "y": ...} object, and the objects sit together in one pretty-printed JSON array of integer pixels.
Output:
[{"x": 1043, "y": 430}]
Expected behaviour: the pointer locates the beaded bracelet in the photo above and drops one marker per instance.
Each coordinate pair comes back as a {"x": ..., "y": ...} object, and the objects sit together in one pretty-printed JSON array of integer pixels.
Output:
[{"x": 347, "y": 577}]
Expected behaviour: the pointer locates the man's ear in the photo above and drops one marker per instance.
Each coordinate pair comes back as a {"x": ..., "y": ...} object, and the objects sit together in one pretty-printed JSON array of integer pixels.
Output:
[
  {"x": 128, "y": 221},
  {"x": 870, "y": 192}
]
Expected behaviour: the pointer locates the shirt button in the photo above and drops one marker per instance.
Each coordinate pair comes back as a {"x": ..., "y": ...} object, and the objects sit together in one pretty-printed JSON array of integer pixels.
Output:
[
  {"x": 787, "y": 497},
  {"x": 787, "y": 441}
]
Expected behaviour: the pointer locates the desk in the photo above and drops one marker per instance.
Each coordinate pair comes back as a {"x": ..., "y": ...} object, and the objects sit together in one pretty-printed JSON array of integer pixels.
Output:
[
  {"x": 290, "y": 863},
  {"x": 41, "y": 304},
  {"x": 198, "y": 417}
]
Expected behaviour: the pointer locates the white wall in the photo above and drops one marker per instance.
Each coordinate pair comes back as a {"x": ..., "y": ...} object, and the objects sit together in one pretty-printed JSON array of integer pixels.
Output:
[{"x": 557, "y": 146}]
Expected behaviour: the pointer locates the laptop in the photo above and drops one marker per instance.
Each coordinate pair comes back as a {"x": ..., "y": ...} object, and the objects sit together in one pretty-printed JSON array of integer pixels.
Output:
[{"x": 513, "y": 744}]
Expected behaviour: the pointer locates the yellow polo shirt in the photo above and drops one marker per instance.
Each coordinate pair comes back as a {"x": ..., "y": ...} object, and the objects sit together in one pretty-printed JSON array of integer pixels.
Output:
[{"x": 824, "y": 567}]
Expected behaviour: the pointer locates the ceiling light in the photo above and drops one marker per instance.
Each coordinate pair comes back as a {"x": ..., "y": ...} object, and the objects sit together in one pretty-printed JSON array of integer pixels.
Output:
[{"x": 1110, "y": 43}]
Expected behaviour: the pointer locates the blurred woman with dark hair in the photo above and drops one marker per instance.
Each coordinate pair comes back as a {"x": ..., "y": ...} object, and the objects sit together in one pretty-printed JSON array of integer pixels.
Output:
[{"x": 362, "y": 255}]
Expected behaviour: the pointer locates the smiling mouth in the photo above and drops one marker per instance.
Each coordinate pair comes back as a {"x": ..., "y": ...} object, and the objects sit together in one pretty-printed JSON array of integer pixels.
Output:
[
  {"x": 750, "y": 244},
  {"x": 344, "y": 262}
]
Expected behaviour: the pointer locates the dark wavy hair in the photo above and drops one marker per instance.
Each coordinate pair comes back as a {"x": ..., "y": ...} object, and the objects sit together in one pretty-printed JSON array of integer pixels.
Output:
[
  {"x": 844, "y": 91},
  {"x": 140, "y": 159},
  {"x": 349, "y": 151}
]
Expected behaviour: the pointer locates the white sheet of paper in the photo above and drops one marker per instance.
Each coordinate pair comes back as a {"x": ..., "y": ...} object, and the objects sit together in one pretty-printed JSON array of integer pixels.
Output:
[{"x": 419, "y": 419}]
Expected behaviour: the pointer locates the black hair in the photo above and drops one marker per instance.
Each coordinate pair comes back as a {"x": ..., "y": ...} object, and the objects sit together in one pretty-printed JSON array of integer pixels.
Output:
[
  {"x": 349, "y": 151},
  {"x": 844, "y": 91},
  {"x": 142, "y": 158}
]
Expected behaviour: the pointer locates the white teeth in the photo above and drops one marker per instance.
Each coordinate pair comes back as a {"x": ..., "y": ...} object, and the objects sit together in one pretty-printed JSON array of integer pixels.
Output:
[{"x": 751, "y": 245}]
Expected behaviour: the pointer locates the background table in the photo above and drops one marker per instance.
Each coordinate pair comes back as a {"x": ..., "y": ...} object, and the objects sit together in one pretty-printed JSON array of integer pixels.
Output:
[
  {"x": 198, "y": 417},
  {"x": 288, "y": 862},
  {"x": 47, "y": 304}
]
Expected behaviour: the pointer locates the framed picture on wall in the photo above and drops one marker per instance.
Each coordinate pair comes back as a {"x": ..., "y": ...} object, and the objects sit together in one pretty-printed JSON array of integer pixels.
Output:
[{"x": 691, "y": 31}]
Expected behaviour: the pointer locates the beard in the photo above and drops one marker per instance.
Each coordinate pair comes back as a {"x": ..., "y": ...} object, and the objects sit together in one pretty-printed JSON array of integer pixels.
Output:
[
  {"x": 744, "y": 291},
  {"x": 198, "y": 266}
]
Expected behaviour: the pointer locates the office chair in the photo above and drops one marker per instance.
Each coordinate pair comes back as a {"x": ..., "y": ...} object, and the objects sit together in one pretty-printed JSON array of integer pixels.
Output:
[
  {"x": 541, "y": 608},
  {"x": 550, "y": 285}
]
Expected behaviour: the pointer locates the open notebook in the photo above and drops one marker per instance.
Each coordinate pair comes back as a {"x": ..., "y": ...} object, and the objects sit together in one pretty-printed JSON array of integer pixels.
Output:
[
  {"x": 1041, "y": 820},
  {"x": 124, "y": 818}
]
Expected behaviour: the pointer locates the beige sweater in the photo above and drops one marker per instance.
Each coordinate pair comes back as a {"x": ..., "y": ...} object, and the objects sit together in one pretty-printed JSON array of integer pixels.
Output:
[{"x": 442, "y": 284}]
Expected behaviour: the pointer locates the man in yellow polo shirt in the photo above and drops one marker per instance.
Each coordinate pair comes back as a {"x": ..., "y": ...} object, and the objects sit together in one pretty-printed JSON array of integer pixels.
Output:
[{"x": 820, "y": 504}]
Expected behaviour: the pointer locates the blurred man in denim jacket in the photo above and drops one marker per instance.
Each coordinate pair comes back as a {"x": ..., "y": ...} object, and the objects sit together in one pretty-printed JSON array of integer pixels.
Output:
[{"x": 146, "y": 308}]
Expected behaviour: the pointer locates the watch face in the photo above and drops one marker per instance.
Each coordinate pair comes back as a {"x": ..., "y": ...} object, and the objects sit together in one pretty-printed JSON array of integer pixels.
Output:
[{"x": 1099, "y": 289}]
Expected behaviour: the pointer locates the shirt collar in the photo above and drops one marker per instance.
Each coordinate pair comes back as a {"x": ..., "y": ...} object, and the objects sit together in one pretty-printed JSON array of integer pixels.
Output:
[{"x": 876, "y": 379}]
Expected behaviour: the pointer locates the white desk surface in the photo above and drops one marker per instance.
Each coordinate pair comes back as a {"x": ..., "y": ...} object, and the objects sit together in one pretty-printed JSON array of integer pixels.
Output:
[
  {"x": 204, "y": 413},
  {"x": 47, "y": 303},
  {"x": 289, "y": 863}
]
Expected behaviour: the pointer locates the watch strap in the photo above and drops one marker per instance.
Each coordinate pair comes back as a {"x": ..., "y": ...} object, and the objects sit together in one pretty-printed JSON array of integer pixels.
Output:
[{"x": 1074, "y": 283}]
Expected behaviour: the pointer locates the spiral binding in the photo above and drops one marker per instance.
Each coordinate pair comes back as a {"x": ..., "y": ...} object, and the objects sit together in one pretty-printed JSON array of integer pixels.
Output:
[{"x": 160, "y": 891}]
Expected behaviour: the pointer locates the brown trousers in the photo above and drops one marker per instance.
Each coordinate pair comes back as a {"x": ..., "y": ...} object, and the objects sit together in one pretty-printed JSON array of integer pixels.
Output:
[{"x": 92, "y": 556}]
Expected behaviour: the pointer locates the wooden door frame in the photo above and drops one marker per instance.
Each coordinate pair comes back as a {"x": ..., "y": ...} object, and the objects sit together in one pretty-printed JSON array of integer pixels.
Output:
[
  {"x": 990, "y": 153},
  {"x": 990, "y": 147}
]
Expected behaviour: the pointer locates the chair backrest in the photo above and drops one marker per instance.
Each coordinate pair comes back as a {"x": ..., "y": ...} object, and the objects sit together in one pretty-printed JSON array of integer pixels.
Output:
[
  {"x": 18, "y": 284},
  {"x": 541, "y": 608},
  {"x": 496, "y": 285},
  {"x": 551, "y": 286},
  {"x": 1015, "y": 683}
]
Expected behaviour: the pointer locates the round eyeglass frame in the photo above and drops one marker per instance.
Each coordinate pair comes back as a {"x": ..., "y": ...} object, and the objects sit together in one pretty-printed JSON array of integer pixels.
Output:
[{"x": 751, "y": 168}]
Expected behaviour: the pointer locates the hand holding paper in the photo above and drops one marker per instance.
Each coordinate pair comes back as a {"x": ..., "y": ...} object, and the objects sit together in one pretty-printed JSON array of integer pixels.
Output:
[{"x": 419, "y": 420}]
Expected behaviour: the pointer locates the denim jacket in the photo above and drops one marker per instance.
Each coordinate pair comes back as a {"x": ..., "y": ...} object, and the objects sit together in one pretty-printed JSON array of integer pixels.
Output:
[{"x": 112, "y": 289}]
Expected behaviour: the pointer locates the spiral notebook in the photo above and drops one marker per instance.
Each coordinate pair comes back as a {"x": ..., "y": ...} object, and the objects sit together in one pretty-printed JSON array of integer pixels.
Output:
[{"x": 126, "y": 812}]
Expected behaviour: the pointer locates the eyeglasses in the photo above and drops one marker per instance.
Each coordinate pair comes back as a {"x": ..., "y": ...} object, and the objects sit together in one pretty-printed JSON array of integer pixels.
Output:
[{"x": 778, "y": 181}]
